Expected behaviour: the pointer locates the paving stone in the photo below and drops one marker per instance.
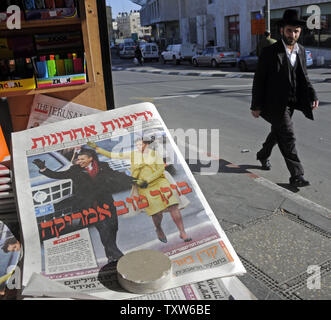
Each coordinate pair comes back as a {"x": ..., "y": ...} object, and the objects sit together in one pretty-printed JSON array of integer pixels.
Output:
[{"x": 280, "y": 247}]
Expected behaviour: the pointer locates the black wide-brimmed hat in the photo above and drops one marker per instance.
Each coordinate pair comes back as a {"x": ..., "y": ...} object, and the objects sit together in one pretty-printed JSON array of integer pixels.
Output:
[{"x": 291, "y": 18}]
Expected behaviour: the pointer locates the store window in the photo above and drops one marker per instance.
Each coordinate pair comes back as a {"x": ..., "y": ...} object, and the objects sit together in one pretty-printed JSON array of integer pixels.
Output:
[
  {"x": 234, "y": 32},
  {"x": 318, "y": 38}
]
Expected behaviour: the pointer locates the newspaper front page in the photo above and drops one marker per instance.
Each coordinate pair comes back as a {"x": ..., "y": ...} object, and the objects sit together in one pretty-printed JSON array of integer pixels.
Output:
[
  {"x": 45, "y": 109},
  {"x": 94, "y": 188}
]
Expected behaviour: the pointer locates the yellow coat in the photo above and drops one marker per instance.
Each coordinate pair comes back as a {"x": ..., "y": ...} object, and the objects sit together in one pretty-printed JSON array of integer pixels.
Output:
[{"x": 150, "y": 168}]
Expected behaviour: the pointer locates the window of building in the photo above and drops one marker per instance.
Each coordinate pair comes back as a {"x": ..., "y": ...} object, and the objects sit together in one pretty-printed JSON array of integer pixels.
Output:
[{"x": 233, "y": 32}]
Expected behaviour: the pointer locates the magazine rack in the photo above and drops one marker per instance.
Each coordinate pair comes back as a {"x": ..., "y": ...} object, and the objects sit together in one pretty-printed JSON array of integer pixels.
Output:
[{"x": 97, "y": 91}]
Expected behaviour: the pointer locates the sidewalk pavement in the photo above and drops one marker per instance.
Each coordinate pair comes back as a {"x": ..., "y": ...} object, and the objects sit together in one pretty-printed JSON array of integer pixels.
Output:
[
  {"x": 277, "y": 234},
  {"x": 188, "y": 70}
]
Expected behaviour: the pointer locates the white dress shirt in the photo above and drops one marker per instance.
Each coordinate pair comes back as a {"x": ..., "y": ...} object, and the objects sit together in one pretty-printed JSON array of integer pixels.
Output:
[{"x": 292, "y": 56}]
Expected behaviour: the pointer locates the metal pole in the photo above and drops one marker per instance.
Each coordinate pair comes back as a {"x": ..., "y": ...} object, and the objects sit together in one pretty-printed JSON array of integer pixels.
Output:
[
  {"x": 106, "y": 55},
  {"x": 267, "y": 15}
]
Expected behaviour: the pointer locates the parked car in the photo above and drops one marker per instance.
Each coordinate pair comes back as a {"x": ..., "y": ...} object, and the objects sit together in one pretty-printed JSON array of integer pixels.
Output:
[
  {"x": 188, "y": 51},
  {"x": 309, "y": 58},
  {"x": 150, "y": 51},
  {"x": 249, "y": 63},
  {"x": 172, "y": 53},
  {"x": 214, "y": 56},
  {"x": 127, "y": 50}
]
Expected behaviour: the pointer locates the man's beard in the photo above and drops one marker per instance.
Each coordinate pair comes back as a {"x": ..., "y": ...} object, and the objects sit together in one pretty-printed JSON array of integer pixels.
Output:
[{"x": 289, "y": 41}]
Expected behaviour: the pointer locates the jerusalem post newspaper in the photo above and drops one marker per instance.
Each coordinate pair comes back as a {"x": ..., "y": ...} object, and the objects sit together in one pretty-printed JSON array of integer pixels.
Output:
[{"x": 92, "y": 189}]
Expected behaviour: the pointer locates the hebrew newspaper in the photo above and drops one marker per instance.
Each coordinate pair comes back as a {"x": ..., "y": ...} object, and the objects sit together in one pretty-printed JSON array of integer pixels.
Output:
[{"x": 92, "y": 189}]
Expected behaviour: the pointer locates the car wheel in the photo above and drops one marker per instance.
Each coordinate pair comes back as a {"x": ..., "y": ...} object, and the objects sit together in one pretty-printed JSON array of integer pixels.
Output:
[
  {"x": 163, "y": 60},
  {"x": 214, "y": 64},
  {"x": 195, "y": 63},
  {"x": 233, "y": 64},
  {"x": 242, "y": 66}
]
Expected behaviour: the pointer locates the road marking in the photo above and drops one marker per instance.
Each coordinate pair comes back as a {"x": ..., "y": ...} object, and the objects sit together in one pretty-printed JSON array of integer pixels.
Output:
[
  {"x": 193, "y": 96},
  {"x": 231, "y": 86},
  {"x": 144, "y": 99},
  {"x": 179, "y": 96}
]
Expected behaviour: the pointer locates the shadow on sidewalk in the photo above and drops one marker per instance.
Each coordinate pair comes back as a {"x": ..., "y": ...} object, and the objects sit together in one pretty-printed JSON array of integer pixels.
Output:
[
  {"x": 222, "y": 166},
  {"x": 289, "y": 187}
]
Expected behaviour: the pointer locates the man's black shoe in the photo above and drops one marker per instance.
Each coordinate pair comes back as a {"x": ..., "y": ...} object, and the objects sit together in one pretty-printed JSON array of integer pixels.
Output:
[
  {"x": 299, "y": 182},
  {"x": 265, "y": 164}
]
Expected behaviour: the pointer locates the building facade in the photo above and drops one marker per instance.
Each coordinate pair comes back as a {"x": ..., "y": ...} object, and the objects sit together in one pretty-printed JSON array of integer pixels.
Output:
[
  {"x": 163, "y": 17},
  {"x": 231, "y": 23},
  {"x": 129, "y": 26},
  {"x": 179, "y": 21}
]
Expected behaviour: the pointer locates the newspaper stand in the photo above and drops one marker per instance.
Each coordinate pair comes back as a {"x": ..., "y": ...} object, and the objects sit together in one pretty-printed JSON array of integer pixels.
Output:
[{"x": 97, "y": 92}]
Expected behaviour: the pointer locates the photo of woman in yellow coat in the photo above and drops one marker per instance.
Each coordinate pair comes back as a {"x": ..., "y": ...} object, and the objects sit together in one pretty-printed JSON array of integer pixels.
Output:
[{"x": 147, "y": 167}]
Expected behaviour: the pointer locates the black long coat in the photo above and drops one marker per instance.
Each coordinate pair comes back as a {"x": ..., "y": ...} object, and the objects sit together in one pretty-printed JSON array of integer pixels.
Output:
[{"x": 271, "y": 84}]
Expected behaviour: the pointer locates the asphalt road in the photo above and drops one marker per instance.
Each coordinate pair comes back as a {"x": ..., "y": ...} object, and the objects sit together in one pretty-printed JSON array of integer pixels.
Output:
[{"x": 223, "y": 104}]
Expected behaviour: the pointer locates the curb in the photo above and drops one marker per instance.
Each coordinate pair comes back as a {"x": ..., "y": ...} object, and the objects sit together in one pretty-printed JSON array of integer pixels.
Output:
[
  {"x": 188, "y": 73},
  {"x": 204, "y": 74}
]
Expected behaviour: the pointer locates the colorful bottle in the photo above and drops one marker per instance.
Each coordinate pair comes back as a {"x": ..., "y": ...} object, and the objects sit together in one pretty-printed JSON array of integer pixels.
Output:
[
  {"x": 28, "y": 68},
  {"x": 60, "y": 68},
  {"x": 42, "y": 68},
  {"x": 68, "y": 64},
  {"x": 12, "y": 69},
  {"x": 78, "y": 65},
  {"x": 51, "y": 67},
  {"x": 20, "y": 68}
]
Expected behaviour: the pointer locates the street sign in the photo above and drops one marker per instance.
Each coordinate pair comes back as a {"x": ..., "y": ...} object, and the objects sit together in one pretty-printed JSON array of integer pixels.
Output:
[{"x": 258, "y": 26}]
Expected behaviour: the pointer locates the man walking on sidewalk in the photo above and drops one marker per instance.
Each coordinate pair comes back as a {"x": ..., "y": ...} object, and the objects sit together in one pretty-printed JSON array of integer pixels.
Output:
[{"x": 280, "y": 86}]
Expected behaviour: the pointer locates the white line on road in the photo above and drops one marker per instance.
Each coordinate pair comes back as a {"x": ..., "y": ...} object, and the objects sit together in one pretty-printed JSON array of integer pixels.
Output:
[
  {"x": 231, "y": 86},
  {"x": 179, "y": 96}
]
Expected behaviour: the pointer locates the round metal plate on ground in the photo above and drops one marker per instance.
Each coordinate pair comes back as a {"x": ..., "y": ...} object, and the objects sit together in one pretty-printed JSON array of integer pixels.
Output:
[{"x": 144, "y": 271}]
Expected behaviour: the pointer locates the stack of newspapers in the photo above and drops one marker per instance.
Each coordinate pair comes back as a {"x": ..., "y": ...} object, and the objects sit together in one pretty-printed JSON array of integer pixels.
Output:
[
  {"x": 10, "y": 247},
  {"x": 7, "y": 201},
  {"x": 93, "y": 186}
]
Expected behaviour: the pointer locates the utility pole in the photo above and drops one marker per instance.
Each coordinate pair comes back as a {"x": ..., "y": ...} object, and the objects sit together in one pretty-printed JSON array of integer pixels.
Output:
[{"x": 267, "y": 15}]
